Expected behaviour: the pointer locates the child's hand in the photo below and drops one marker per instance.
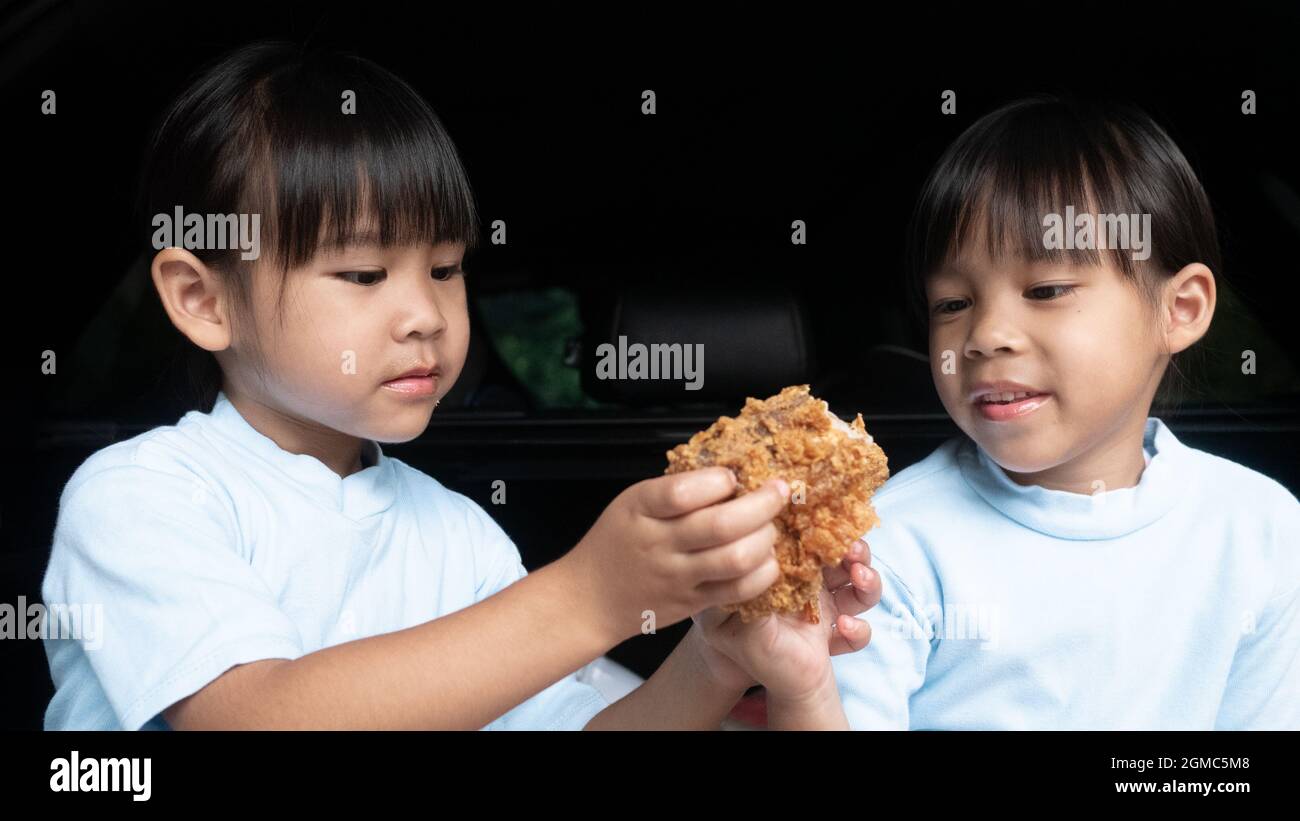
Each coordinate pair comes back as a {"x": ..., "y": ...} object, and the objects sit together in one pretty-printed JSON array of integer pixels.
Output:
[
  {"x": 675, "y": 545},
  {"x": 784, "y": 653}
]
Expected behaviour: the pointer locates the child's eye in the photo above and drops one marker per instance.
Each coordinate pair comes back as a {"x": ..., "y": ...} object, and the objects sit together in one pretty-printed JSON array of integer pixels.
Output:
[
  {"x": 446, "y": 272},
  {"x": 940, "y": 308},
  {"x": 349, "y": 274},
  {"x": 1064, "y": 289}
]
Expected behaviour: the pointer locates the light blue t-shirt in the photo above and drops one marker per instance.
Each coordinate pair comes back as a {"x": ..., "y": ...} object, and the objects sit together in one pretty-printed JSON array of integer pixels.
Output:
[
  {"x": 1174, "y": 604},
  {"x": 205, "y": 545}
]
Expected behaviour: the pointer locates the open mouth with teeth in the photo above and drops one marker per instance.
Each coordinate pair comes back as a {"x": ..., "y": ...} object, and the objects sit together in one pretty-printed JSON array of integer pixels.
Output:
[{"x": 1004, "y": 398}]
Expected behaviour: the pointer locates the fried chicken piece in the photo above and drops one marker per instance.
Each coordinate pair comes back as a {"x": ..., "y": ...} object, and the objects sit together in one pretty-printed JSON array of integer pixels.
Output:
[{"x": 832, "y": 468}]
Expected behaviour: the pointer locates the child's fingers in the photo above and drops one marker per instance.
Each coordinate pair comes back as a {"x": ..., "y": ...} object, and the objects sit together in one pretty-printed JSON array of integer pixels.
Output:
[
  {"x": 850, "y": 635},
  {"x": 863, "y": 548},
  {"x": 861, "y": 594},
  {"x": 744, "y": 588},
  {"x": 667, "y": 497},
  {"x": 727, "y": 522},
  {"x": 866, "y": 581},
  {"x": 838, "y": 576},
  {"x": 735, "y": 559}
]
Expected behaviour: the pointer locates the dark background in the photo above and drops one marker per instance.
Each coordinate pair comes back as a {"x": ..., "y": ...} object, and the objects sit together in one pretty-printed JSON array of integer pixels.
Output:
[{"x": 765, "y": 115}]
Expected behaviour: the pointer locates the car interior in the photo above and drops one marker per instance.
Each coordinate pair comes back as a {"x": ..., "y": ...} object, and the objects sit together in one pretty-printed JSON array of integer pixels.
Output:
[{"x": 676, "y": 228}]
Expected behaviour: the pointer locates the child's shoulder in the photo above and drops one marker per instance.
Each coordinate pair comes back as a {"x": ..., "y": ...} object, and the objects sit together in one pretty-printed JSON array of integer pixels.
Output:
[
  {"x": 145, "y": 481},
  {"x": 1262, "y": 514},
  {"x": 426, "y": 486},
  {"x": 1255, "y": 515},
  {"x": 424, "y": 489},
  {"x": 1250, "y": 490},
  {"x": 919, "y": 482},
  {"x": 164, "y": 453},
  {"x": 465, "y": 524},
  {"x": 906, "y": 504}
]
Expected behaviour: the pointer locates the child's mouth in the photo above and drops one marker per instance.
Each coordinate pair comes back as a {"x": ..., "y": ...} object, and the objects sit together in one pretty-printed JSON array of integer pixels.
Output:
[
  {"x": 413, "y": 385},
  {"x": 1001, "y": 408}
]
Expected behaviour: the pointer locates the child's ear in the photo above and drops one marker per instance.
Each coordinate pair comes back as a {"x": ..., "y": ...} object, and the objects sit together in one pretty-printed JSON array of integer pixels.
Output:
[
  {"x": 193, "y": 297},
  {"x": 1188, "y": 305}
]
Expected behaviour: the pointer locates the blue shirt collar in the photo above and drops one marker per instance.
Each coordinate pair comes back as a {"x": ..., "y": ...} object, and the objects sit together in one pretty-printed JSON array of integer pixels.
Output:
[
  {"x": 1101, "y": 515},
  {"x": 368, "y": 492}
]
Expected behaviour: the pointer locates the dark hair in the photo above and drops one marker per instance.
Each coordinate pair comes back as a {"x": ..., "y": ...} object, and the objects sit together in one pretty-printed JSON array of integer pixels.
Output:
[
  {"x": 1036, "y": 155},
  {"x": 262, "y": 131}
]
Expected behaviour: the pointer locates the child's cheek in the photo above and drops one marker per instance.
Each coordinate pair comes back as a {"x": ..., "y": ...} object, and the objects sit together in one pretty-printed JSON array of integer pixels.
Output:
[
  {"x": 452, "y": 354},
  {"x": 946, "y": 364}
]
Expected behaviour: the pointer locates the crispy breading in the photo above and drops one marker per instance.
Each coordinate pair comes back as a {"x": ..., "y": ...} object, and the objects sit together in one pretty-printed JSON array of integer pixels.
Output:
[{"x": 832, "y": 468}]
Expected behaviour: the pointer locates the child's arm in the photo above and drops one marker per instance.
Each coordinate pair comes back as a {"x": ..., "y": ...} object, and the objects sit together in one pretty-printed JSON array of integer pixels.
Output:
[
  {"x": 459, "y": 671},
  {"x": 818, "y": 710},
  {"x": 692, "y": 691},
  {"x": 1263, "y": 689},
  {"x": 792, "y": 658},
  {"x": 876, "y": 687},
  {"x": 663, "y": 545},
  {"x": 687, "y": 692},
  {"x": 851, "y": 589}
]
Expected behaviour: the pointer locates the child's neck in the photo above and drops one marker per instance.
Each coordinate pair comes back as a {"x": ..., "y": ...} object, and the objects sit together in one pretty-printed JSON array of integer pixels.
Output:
[
  {"x": 1114, "y": 463},
  {"x": 339, "y": 452}
]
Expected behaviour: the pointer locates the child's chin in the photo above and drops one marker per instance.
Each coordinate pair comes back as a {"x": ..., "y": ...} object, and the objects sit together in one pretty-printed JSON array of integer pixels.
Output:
[
  {"x": 1021, "y": 457},
  {"x": 399, "y": 431}
]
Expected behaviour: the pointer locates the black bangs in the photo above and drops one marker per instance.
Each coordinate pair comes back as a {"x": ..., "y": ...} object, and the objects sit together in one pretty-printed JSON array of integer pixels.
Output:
[
  {"x": 1002, "y": 178},
  {"x": 326, "y": 148},
  {"x": 387, "y": 173}
]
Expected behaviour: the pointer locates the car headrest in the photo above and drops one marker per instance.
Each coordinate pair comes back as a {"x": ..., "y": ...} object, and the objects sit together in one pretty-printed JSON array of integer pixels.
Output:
[{"x": 687, "y": 344}]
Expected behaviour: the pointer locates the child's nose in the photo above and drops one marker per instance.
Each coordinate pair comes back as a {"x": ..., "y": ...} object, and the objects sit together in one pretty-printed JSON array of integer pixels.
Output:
[
  {"x": 424, "y": 315},
  {"x": 989, "y": 336}
]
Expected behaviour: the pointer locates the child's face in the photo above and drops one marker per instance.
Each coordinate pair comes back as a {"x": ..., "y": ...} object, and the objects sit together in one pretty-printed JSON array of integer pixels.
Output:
[
  {"x": 1083, "y": 335},
  {"x": 355, "y": 318}
]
